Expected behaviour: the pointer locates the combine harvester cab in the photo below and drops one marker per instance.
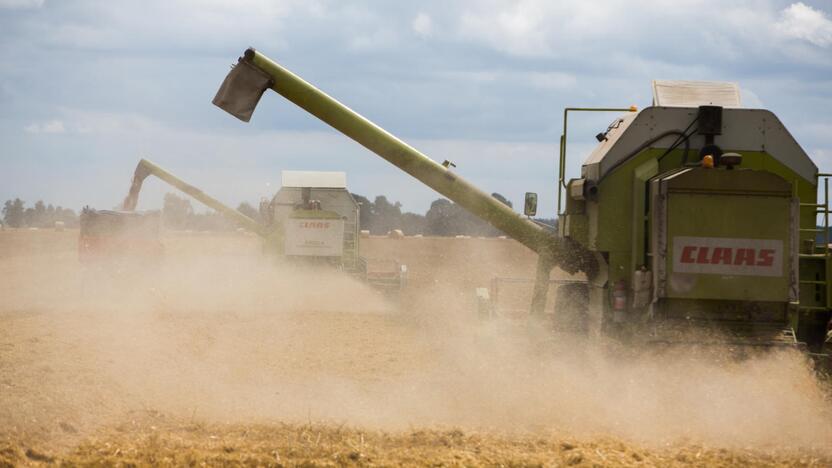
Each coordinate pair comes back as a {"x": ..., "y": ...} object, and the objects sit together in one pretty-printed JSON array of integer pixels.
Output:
[
  {"x": 693, "y": 219},
  {"x": 317, "y": 216},
  {"x": 319, "y": 219}
]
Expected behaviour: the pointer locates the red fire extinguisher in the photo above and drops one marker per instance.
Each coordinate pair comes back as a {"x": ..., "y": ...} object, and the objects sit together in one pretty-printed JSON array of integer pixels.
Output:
[{"x": 619, "y": 296}]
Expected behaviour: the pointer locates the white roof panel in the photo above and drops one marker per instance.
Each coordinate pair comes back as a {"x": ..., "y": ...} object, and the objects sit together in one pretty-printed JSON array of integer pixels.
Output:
[
  {"x": 678, "y": 93},
  {"x": 314, "y": 179}
]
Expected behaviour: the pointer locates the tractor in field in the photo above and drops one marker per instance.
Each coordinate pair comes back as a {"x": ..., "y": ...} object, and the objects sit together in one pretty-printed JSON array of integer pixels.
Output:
[
  {"x": 694, "y": 217},
  {"x": 116, "y": 238}
]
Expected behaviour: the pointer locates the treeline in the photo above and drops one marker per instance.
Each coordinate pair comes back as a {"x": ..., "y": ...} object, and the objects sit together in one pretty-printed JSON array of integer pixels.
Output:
[
  {"x": 379, "y": 216},
  {"x": 443, "y": 218},
  {"x": 41, "y": 215},
  {"x": 178, "y": 214}
]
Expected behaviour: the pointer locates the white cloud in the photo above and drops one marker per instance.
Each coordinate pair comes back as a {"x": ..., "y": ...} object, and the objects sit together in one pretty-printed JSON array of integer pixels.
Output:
[
  {"x": 52, "y": 126},
  {"x": 543, "y": 28},
  {"x": 516, "y": 29},
  {"x": 801, "y": 21},
  {"x": 819, "y": 130},
  {"x": 750, "y": 99},
  {"x": 422, "y": 24},
  {"x": 574, "y": 28},
  {"x": 539, "y": 80},
  {"x": 552, "y": 80},
  {"x": 822, "y": 157},
  {"x": 77, "y": 121},
  {"x": 378, "y": 39},
  {"x": 21, "y": 3},
  {"x": 104, "y": 123},
  {"x": 160, "y": 23}
]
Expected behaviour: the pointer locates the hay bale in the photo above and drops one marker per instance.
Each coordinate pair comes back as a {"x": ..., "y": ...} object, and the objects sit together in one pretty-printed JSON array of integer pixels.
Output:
[
  {"x": 395, "y": 234},
  {"x": 59, "y": 226}
]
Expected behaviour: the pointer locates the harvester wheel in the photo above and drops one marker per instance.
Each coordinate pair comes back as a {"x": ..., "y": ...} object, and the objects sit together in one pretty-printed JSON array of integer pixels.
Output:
[
  {"x": 571, "y": 312},
  {"x": 813, "y": 330}
]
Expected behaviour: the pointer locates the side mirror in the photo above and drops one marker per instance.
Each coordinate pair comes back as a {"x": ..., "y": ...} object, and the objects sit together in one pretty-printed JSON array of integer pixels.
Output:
[{"x": 530, "y": 207}]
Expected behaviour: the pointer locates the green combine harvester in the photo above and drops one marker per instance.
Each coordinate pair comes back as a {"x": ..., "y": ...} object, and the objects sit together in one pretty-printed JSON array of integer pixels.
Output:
[
  {"x": 297, "y": 229},
  {"x": 693, "y": 219}
]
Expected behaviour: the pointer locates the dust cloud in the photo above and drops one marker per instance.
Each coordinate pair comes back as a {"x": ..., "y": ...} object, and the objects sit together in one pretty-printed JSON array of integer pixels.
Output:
[{"x": 233, "y": 338}]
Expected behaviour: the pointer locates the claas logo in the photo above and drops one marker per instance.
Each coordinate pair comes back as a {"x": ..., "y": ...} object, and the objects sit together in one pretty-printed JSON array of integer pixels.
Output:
[
  {"x": 315, "y": 224},
  {"x": 727, "y": 256}
]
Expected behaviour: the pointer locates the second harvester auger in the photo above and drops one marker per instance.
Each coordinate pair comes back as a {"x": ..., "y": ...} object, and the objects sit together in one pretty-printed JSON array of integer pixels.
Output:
[
  {"x": 255, "y": 73},
  {"x": 146, "y": 168}
]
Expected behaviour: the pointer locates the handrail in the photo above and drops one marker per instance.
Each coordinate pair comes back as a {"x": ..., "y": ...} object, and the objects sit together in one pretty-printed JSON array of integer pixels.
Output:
[{"x": 562, "y": 158}]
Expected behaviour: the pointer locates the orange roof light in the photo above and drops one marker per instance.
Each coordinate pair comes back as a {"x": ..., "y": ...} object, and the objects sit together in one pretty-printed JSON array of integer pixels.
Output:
[
  {"x": 634, "y": 108},
  {"x": 708, "y": 161}
]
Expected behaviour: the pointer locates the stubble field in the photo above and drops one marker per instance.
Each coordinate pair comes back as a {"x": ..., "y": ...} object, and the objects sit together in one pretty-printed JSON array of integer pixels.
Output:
[{"x": 220, "y": 357}]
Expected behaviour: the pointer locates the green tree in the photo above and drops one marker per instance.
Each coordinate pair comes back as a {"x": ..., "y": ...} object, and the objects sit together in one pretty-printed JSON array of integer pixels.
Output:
[
  {"x": 388, "y": 216},
  {"x": 502, "y": 199},
  {"x": 210, "y": 221},
  {"x": 68, "y": 216},
  {"x": 366, "y": 211},
  {"x": 176, "y": 211},
  {"x": 39, "y": 218},
  {"x": 51, "y": 214},
  {"x": 445, "y": 218},
  {"x": 248, "y": 210},
  {"x": 438, "y": 219},
  {"x": 13, "y": 213},
  {"x": 413, "y": 223}
]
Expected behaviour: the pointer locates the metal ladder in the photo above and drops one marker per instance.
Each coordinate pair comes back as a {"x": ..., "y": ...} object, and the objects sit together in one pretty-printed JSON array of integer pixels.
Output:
[
  {"x": 350, "y": 254},
  {"x": 824, "y": 254}
]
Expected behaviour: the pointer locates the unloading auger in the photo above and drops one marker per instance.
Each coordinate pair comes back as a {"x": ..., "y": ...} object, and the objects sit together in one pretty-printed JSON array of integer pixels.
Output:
[
  {"x": 255, "y": 73},
  {"x": 147, "y": 168}
]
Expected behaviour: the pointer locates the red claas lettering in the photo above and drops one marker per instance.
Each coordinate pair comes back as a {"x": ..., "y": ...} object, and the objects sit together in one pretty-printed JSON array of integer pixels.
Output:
[
  {"x": 702, "y": 257},
  {"x": 721, "y": 255},
  {"x": 745, "y": 257},
  {"x": 687, "y": 254},
  {"x": 766, "y": 258},
  {"x": 727, "y": 256}
]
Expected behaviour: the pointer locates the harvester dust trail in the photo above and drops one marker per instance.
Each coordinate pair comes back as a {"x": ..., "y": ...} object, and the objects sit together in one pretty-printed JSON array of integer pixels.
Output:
[{"x": 224, "y": 358}]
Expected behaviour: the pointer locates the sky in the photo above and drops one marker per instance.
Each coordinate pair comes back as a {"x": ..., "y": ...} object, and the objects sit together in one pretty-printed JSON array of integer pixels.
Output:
[{"x": 87, "y": 88}]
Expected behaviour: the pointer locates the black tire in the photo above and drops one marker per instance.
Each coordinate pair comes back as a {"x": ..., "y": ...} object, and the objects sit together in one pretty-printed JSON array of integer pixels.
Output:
[{"x": 812, "y": 330}]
